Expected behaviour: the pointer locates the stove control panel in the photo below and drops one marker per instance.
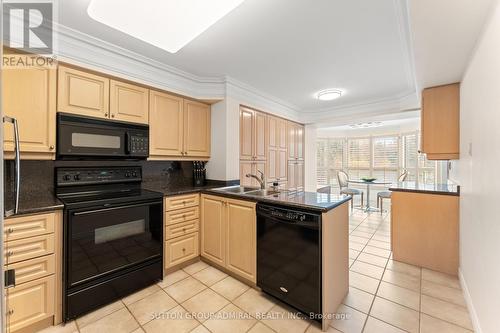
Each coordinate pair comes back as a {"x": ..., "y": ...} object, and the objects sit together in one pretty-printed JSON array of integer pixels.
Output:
[{"x": 97, "y": 176}]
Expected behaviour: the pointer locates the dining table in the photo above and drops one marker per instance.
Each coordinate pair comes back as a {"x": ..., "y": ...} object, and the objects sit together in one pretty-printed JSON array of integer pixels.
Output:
[{"x": 368, "y": 184}]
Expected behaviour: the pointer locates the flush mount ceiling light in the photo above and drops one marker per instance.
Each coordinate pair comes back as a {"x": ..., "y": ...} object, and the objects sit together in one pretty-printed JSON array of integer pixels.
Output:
[
  {"x": 167, "y": 24},
  {"x": 366, "y": 125},
  {"x": 329, "y": 94}
]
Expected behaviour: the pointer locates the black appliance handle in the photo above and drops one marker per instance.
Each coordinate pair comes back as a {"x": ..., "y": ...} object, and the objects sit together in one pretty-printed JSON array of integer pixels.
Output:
[
  {"x": 128, "y": 143},
  {"x": 17, "y": 158},
  {"x": 88, "y": 212}
]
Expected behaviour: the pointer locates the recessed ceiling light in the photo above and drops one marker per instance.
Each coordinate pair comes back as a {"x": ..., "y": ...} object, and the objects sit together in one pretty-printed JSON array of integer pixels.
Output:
[
  {"x": 366, "y": 125},
  {"x": 329, "y": 94},
  {"x": 167, "y": 24}
]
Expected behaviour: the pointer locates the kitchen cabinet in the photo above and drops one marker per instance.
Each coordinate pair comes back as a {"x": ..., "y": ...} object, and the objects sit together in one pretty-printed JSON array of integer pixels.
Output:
[
  {"x": 228, "y": 234},
  {"x": 128, "y": 102},
  {"x": 181, "y": 225},
  {"x": 178, "y": 128},
  {"x": 251, "y": 167},
  {"x": 82, "y": 93},
  {"x": 29, "y": 95},
  {"x": 295, "y": 176},
  {"x": 295, "y": 141},
  {"x": 276, "y": 166},
  {"x": 425, "y": 230},
  {"x": 253, "y": 135},
  {"x": 440, "y": 122},
  {"x": 33, "y": 249},
  {"x": 196, "y": 129}
]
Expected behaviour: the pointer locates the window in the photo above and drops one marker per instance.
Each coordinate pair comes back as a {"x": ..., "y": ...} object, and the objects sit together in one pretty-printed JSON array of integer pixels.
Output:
[{"x": 382, "y": 157}]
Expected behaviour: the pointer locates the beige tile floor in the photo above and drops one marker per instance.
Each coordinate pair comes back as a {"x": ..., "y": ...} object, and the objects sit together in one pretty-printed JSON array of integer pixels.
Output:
[{"x": 384, "y": 296}]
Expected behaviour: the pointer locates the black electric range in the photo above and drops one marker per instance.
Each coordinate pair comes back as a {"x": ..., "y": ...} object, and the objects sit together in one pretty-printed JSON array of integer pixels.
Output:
[{"x": 112, "y": 233}]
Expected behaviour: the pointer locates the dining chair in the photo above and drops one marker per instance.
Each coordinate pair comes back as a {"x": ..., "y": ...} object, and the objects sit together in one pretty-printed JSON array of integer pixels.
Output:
[
  {"x": 343, "y": 179},
  {"x": 387, "y": 194}
]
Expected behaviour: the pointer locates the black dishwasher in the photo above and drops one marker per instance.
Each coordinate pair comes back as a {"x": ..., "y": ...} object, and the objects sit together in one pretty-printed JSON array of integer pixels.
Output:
[{"x": 289, "y": 256}]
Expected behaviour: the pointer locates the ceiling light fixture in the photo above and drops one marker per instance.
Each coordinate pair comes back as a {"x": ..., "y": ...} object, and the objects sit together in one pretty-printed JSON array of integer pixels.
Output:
[
  {"x": 329, "y": 94},
  {"x": 366, "y": 125},
  {"x": 167, "y": 24}
]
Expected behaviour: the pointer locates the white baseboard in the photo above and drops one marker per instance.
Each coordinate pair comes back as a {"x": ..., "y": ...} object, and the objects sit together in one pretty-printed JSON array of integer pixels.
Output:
[{"x": 470, "y": 305}]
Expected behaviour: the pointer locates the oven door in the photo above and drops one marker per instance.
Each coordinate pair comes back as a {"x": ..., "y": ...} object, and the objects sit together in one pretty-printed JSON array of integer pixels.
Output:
[{"x": 105, "y": 240}]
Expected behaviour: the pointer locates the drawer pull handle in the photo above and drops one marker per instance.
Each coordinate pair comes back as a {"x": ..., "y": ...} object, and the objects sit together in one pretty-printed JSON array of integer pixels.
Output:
[
  {"x": 10, "y": 253},
  {"x": 10, "y": 312},
  {"x": 183, "y": 250},
  {"x": 10, "y": 230},
  {"x": 283, "y": 289},
  {"x": 183, "y": 202},
  {"x": 184, "y": 229},
  {"x": 183, "y": 216}
]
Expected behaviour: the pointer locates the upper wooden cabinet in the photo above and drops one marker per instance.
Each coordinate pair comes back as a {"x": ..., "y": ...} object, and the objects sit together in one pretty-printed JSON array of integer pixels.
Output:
[
  {"x": 253, "y": 134},
  {"x": 295, "y": 141},
  {"x": 128, "y": 102},
  {"x": 441, "y": 122},
  {"x": 82, "y": 93},
  {"x": 166, "y": 124},
  {"x": 178, "y": 127},
  {"x": 29, "y": 95},
  {"x": 228, "y": 234},
  {"x": 93, "y": 95},
  {"x": 196, "y": 129}
]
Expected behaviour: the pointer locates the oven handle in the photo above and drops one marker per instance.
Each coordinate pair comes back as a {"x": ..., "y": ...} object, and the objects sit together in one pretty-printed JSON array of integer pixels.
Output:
[{"x": 88, "y": 212}]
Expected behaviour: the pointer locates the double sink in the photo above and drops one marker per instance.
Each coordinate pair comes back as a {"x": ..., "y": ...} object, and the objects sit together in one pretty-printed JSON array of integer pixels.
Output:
[{"x": 251, "y": 191}]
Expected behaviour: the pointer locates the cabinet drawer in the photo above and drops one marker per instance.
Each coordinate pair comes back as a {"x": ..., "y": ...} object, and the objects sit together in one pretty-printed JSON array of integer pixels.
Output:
[
  {"x": 28, "y": 226},
  {"x": 30, "y": 302},
  {"x": 180, "y": 249},
  {"x": 182, "y": 201},
  {"x": 28, "y": 248},
  {"x": 181, "y": 215},
  {"x": 180, "y": 229},
  {"x": 33, "y": 269}
]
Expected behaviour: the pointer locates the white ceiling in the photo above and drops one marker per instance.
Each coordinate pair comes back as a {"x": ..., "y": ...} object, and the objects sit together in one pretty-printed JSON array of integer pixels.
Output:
[
  {"x": 445, "y": 33},
  {"x": 290, "y": 49}
]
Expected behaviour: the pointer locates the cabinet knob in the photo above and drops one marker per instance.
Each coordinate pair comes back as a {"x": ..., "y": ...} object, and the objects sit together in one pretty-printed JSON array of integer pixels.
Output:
[
  {"x": 10, "y": 230},
  {"x": 51, "y": 147},
  {"x": 112, "y": 115},
  {"x": 183, "y": 250},
  {"x": 10, "y": 253},
  {"x": 105, "y": 115},
  {"x": 183, "y": 202},
  {"x": 183, "y": 216},
  {"x": 10, "y": 312},
  {"x": 183, "y": 229}
]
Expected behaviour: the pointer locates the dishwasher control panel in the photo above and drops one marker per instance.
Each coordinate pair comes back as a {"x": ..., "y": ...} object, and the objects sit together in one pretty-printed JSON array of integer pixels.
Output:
[{"x": 288, "y": 214}]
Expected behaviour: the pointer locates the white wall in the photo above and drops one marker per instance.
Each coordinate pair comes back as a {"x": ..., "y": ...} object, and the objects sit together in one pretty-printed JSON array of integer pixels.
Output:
[{"x": 477, "y": 172}]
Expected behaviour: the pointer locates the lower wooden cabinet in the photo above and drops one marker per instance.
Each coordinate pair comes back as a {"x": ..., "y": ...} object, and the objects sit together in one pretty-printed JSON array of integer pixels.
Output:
[
  {"x": 33, "y": 249},
  {"x": 181, "y": 224},
  {"x": 228, "y": 234}
]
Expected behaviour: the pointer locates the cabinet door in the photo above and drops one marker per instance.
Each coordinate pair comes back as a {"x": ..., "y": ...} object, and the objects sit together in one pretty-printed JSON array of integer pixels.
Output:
[
  {"x": 272, "y": 125},
  {"x": 261, "y": 134},
  {"x": 166, "y": 125},
  {"x": 212, "y": 229},
  {"x": 246, "y": 167},
  {"x": 299, "y": 176},
  {"x": 181, "y": 249},
  {"x": 299, "y": 136},
  {"x": 241, "y": 238},
  {"x": 196, "y": 129},
  {"x": 440, "y": 122},
  {"x": 82, "y": 93},
  {"x": 29, "y": 95},
  {"x": 291, "y": 179},
  {"x": 246, "y": 134},
  {"x": 272, "y": 164},
  {"x": 30, "y": 302},
  {"x": 282, "y": 165},
  {"x": 291, "y": 138},
  {"x": 129, "y": 102}
]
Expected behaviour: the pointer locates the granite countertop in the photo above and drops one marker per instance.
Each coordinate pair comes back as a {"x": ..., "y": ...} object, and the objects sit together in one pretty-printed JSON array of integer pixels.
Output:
[
  {"x": 320, "y": 202},
  {"x": 444, "y": 189},
  {"x": 182, "y": 188},
  {"x": 31, "y": 202}
]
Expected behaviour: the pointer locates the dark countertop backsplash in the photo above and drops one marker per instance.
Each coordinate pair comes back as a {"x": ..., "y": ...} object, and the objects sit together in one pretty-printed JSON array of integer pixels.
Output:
[{"x": 37, "y": 181}]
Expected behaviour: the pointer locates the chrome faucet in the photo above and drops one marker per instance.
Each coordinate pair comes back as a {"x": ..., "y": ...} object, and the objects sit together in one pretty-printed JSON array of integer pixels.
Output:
[{"x": 261, "y": 179}]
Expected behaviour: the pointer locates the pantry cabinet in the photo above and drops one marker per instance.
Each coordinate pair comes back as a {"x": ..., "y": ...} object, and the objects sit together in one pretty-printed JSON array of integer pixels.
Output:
[
  {"x": 228, "y": 234},
  {"x": 251, "y": 167},
  {"x": 440, "y": 119},
  {"x": 29, "y": 95},
  {"x": 295, "y": 141},
  {"x": 276, "y": 166},
  {"x": 128, "y": 102},
  {"x": 178, "y": 128},
  {"x": 253, "y": 135},
  {"x": 295, "y": 176}
]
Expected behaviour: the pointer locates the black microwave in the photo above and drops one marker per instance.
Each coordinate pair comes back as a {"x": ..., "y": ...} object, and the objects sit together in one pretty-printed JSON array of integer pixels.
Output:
[{"x": 85, "y": 137}]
